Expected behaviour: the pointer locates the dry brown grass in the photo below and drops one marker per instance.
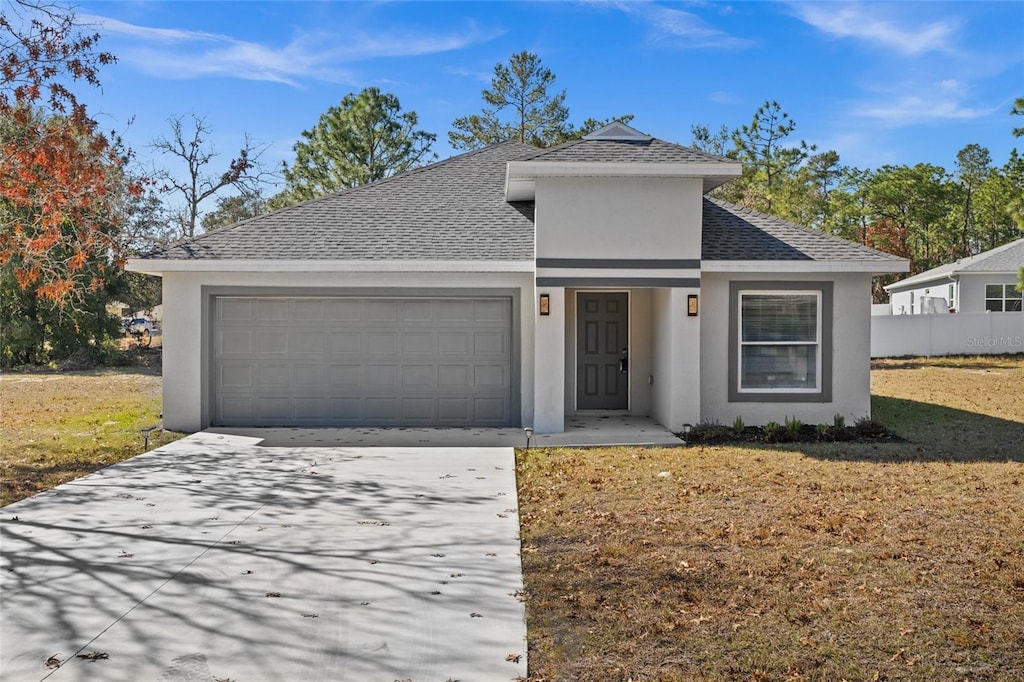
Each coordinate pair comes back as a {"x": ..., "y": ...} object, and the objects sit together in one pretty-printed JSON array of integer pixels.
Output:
[
  {"x": 825, "y": 562},
  {"x": 58, "y": 426}
]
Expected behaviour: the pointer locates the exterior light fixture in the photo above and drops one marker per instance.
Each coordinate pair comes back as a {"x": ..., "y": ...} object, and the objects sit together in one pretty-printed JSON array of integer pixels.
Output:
[
  {"x": 545, "y": 304},
  {"x": 691, "y": 305},
  {"x": 529, "y": 435}
]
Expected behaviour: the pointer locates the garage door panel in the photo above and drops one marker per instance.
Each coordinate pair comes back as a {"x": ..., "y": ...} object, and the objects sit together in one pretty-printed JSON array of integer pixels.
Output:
[
  {"x": 417, "y": 311},
  {"x": 381, "y": 375},
  {"x": 417, "y": 409},
  {"x": 344, "y": 342},
  {"x": 418, "y": 376},
  {"x": 235, "y": 376},
  {"x": 307, "y": 377},
  {"x": 418, "y": 343},
  {"x": 272, "y": 376},
  {"x": 382, "y": 343},
  {"x": 490, "y": 311},
  {"x": 272, "y": 343},
  {"x": 382, "y": 409},
  {"x": 454, "y": 343},
  {"x": 272, "y": 310},
  {"x": 453, "y": 376},
  {"x": 236, "y": 409},
  {"x": 306, "y": 343},
  {"x": 309, "y": 310},
  {"x": 381, "y": 310},
  {"x": 351, "y": 361},
  {"x": 489, "y": 409},
  {"x": 342, "y": 376},
  {"x": 489, "y": 376},
  {"x": 235, "y": 310},
  {"x": 343, "y": 310},
  {"x": 490, "y": 343},
  {"x": 273, "y": 408}
]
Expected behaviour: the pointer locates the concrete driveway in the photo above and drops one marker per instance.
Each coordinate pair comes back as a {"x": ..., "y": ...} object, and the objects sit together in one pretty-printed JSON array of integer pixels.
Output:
[{"x": 215, "y": 558}]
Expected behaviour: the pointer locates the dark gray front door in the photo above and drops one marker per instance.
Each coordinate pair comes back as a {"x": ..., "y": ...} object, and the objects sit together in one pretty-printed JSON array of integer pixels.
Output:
[{"x": 602, "y": 333}]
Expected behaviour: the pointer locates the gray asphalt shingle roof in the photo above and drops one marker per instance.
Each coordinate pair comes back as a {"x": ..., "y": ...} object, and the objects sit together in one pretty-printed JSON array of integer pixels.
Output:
[
  {"x": 1008, "y": 258},
  {"x": 456, "y": 210},
  {"x": 732, "y": 232},
  {"x": 451, "y": 210}
]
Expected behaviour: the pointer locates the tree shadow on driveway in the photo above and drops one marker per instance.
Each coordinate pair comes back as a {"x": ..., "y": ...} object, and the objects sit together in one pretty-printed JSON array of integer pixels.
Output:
[{"x": 213, "y": 557}]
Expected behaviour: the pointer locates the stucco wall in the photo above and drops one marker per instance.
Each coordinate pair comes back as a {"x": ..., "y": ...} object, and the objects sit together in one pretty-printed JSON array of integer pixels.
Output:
[
  {"x": 186, "y": 329},
  {"x": 973, "y": 288},
  {"x": 677, "y": 367},
  {"x": 600, "y": 218},
  {"x": 851, "y": 363}
]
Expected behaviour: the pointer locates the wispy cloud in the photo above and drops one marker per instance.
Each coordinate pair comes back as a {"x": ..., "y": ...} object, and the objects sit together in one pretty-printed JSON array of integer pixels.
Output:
[
  {"x": 874, "y": 23},
  {"x": 723, "y": 97},
  {"x": 678, "y": 27},
  {"x": 181, "y": 54},
  {"x": 945, "y": 100}
]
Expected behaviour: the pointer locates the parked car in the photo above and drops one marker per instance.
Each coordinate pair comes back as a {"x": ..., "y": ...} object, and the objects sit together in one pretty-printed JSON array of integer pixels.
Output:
[{"x": 139, "y": 328}]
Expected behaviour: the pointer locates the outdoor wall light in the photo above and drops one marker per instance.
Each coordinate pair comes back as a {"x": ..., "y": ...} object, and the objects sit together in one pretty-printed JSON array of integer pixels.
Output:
[
  {"x": 545, "y": 304},
  {"x": 691, "y": 305}
]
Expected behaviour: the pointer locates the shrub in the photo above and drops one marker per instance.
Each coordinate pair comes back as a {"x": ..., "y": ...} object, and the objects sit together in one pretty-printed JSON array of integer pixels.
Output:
[
  {"x": 737, "y": 424},
  {"x": 793, "y": 425}
]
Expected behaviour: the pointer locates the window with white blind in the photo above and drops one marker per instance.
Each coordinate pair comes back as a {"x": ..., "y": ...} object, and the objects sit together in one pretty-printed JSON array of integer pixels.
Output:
[
  {"x": 781, "y": 336},
  {"x": 780, "y": 341}
]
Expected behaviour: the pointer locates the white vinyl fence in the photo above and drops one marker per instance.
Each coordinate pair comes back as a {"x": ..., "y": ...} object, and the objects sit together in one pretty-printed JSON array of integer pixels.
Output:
[{"x": 959, "y": 334}]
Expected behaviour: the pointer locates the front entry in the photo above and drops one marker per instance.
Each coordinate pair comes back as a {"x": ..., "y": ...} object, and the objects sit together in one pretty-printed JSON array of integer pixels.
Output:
[{"x": 602, "y": 362}]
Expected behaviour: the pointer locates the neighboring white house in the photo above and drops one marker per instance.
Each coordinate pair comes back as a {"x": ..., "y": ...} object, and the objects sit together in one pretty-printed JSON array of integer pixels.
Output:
[
  {"x": 513, "y": 286},
  {"x": 983, "y": 283}
]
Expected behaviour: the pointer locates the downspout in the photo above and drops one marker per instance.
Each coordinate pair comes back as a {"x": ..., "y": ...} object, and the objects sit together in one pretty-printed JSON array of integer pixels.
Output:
[{"x": 955, "y": 278}]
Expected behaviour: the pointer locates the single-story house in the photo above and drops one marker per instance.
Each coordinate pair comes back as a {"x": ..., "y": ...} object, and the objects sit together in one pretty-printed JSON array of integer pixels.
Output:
[
  {"x": 513, "y": 286},
  {"x": 983, "y": 283}
]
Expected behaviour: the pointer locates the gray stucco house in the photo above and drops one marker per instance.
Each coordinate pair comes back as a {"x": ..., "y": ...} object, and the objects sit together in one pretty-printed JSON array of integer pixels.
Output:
[
  {"x": 513, "y": 286},
  {"x": 982, "y": 283}
]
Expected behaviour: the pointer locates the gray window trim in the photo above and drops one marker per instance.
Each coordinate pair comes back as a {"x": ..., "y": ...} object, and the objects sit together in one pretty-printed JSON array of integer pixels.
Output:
[
  {"x": 209, "y": 292},
  {"x": 778, "y": 396}
]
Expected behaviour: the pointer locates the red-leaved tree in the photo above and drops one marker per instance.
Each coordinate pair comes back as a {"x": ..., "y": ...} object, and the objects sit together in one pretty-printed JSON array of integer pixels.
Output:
[{"x": 59, "y": 176}]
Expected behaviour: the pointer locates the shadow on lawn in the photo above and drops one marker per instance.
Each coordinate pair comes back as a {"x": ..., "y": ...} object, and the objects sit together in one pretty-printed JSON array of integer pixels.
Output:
[{"x": 932, "y": 433}]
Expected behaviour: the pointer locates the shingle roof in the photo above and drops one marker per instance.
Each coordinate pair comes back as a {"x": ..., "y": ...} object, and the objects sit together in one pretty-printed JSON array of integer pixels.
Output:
[
  {"x": 625, "y": 151},
  {"x": 456, "y": 210},
  {"x": 732, "y": 232},
  {"x": 1008, "y": 258},
  {"x": 451, "y": 210}
]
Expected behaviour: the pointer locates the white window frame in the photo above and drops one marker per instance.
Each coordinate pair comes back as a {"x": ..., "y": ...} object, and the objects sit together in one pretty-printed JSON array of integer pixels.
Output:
[
  {"x": 1002, "y": 298},
  {"x": 817, "y": 343}
]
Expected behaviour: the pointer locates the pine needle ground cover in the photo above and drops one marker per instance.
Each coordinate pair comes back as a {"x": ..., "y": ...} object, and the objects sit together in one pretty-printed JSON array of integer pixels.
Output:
[
  {"x": 856, "y": 561},
  {"x": 55, "y": 427}
]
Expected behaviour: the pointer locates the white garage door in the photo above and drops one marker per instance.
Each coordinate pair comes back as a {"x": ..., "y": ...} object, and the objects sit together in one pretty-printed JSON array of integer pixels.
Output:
[{"x": 339, "y": 361}]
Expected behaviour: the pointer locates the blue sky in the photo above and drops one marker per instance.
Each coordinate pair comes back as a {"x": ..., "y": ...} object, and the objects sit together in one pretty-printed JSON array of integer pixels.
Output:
[{"x": 881, "y": 82}]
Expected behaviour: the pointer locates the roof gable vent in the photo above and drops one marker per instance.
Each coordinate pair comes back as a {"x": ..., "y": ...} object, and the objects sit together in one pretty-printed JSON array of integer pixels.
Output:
[{"x": 618, "y": 132}]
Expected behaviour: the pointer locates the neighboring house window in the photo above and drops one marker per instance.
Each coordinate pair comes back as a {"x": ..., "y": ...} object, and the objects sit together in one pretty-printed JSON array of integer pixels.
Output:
[
  {"x": 952, "y": 303},
  {"x": 1002, "y": 298},
  {"x": 782, "y": 335}
]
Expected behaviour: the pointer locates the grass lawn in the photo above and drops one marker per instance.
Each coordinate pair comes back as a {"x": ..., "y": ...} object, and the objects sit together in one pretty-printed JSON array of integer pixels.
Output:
[
  {"x": 57, "y": 427},
  {"x": 895, "y": 561}
]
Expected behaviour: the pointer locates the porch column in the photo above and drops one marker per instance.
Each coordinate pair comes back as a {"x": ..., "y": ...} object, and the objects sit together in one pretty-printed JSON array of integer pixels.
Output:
[{"x": 549, "y": 364}]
